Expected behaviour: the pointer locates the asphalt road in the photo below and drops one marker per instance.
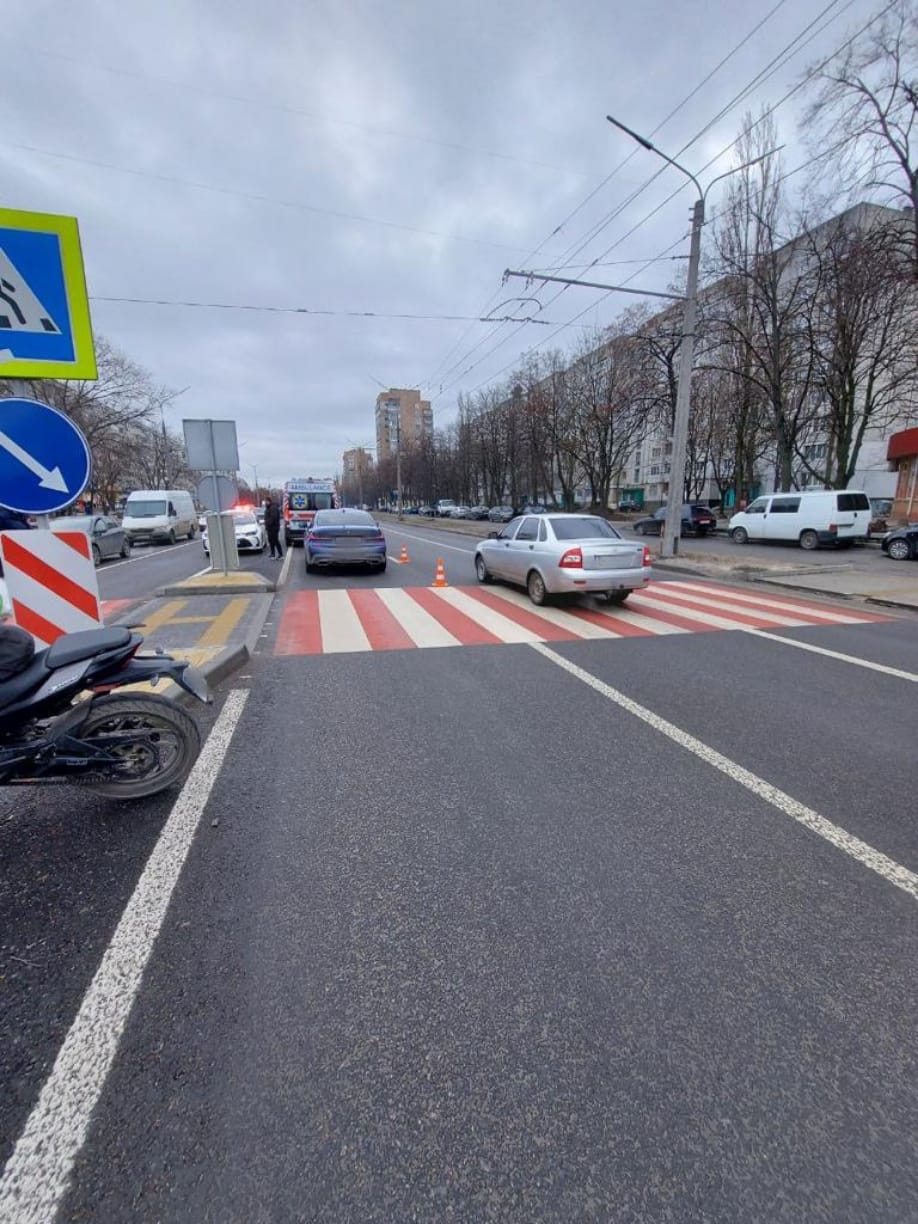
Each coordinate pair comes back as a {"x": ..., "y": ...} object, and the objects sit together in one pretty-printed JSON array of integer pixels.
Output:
[
  {"x": 153, "y": 566},
  {"x": 477, "y": 936}
]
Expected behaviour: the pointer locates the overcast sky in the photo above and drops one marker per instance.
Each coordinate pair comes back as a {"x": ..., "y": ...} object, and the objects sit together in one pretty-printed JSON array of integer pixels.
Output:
[{"x": 370, "y": 155}]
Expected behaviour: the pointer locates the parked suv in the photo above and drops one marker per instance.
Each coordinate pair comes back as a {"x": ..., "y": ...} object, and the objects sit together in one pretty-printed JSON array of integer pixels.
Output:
[{"x": 444, "y": 507}]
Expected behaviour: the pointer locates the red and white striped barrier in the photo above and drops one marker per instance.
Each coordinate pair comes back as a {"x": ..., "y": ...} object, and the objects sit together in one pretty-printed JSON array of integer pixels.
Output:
[{"x": 52, "y": 582}]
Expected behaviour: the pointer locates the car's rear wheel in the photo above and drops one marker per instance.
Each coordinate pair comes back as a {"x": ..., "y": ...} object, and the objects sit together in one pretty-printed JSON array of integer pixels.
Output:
[
  {"x": 481, "y": 570},
  {"x": 191, "y": 531},
  {"x": 125, "y": 549},
  {"x": 171, "y": 537},
  {"x": 310, "y": 568},
  {"x": 382, "y": 568},
  {"x": 96, "y": 555},
  {"x": 739, "y": 535},
  {"x": 617, "y": 597},
  {"x": 899, "y": 550},
  {"x": 535, "y": 588},
  {"x": 809, "y": 540}
]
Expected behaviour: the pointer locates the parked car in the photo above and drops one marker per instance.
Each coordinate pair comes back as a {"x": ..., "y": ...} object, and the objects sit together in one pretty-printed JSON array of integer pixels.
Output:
[
  {"x": 564, "y": 554},
  {"x": 902, "y": 544},
  {"x": 695, "y": 518},
  {"x": 478, "y": 513},
  {"x": 533, "y": 508},
  {"x": 500, "y": 514},
  {"x": 159, "y": 516},
  {"x": 250, "y": 534},
  {"x": 628, "y": 505},
  {"x": 825, "y": 516},
  {"x": 408, "y": 509},
  {"x": 344, "y": 537},
  {"x": 460, "y": 512},
  {"x": 444, "y": 507},
  {"x": 106, "y": 538},
  {"x": 426, "y": 511}
]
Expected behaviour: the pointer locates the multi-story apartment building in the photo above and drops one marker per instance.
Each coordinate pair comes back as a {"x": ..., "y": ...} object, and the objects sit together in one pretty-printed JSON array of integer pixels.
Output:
[
  {"x": 401, "y": 417},
  {"x": 356, "y": 473}
]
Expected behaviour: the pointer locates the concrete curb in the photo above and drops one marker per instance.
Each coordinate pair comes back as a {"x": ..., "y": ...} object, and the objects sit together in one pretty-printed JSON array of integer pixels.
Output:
[{"x": 263, "y": 587}]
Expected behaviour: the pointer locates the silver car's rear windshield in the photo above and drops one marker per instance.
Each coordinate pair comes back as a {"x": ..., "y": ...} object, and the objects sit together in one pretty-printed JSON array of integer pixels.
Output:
[
  {"x": 583, "y": 527},
  {"x": 349, "y": 518}
]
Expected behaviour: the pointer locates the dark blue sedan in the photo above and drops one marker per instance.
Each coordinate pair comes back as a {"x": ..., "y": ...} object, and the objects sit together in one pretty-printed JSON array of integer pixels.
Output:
[{"x": 344, "y": 537}]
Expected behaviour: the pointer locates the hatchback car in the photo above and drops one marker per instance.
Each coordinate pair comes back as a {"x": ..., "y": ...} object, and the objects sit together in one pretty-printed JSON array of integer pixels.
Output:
[
  {"x": 106, "y": 538},
  {"x": 902, "y": 544},
  {"x": 500, "y": 514},
  {"x": 695, "y": 518},
  {"x": 345, "y": 537},
  {"x": 564, "y": 554},
  {"x": 250, "y": 534},
  {"x": 461, "y": 512}
]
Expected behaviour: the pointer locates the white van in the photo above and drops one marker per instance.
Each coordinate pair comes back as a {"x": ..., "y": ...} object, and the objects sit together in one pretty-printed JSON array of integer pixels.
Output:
[
  {"x": 159, "y": 516},
  {"x": 832, "y": 516}
]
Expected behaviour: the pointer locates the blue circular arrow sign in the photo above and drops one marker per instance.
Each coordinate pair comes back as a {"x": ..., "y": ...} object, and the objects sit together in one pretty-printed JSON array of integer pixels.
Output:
[{"x": 44, "y": 459}]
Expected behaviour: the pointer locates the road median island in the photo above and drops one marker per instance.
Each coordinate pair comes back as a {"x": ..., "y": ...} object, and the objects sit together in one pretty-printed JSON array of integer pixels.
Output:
[{"x": 217, "y": 632}]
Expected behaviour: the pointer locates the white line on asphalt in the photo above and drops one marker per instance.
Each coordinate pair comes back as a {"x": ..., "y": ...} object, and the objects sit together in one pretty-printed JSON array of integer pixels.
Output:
[
  {"x": 36, "y": 1175},
  {"x": 435, "y": 544},
  {"x": 840, "y": 838},
  {"x": 835, "y": 654},
  {"x": 285, "y": 568},
  {"x": 107, "y": 569}
]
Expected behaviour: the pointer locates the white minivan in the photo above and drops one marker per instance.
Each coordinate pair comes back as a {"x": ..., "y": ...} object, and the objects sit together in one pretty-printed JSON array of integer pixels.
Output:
[
  {"x": 829, "y": 516},
  {"x": 159, "y": 516}
]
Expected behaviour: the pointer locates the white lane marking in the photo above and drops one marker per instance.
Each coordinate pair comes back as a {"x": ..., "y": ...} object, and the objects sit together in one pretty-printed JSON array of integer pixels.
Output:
[
  {"x": 285, "y": 568},
  {"x": 841, "y": 839},
  {"x": 423, "y": 629},
  {"x": 107, "y": 569},
  {"x": 563, "y": 620},
  {"x": 501, "y": 626},
  {"x": 434, "y": 544},
  {"x": 36, "y": 1175},
  {"x": 342, "y": 632},
  {"x": 836, "y": 654},
  {"x": 769, "y": 601}
]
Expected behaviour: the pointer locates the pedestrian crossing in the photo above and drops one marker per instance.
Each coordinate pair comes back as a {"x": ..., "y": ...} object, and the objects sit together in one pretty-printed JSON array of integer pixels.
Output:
[{"x": 408, "y": 618}]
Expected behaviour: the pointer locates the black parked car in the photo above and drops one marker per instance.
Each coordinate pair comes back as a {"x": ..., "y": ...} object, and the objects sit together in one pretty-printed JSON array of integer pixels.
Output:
[
  {"x": 902, "y": 544},
  {"x": 696, "y": 519},
  {"x": 478, "y": 513}
]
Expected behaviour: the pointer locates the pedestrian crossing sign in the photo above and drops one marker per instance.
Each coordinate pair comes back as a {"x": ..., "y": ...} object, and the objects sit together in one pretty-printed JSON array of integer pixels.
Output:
[{"x": 45, "y": 329}]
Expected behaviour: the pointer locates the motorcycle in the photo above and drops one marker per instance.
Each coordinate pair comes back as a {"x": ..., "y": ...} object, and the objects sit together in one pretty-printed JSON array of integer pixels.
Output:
[{"x": 63, "y": 720}]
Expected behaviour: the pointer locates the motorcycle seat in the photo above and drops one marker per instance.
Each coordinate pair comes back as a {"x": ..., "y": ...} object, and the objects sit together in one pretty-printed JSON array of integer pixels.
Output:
[
  {"x": 75, "y": 647},
  {"x": 18, "y": 686}
]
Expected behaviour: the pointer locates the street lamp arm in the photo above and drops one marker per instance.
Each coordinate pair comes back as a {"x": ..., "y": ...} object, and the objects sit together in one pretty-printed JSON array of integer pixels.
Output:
[
  {"x": 646, "y": 144},
  {"x": 744, "y": 166}
]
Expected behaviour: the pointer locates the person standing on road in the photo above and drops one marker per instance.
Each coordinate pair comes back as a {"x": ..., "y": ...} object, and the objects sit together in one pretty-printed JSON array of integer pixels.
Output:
[{"x": 272, "y": 527}]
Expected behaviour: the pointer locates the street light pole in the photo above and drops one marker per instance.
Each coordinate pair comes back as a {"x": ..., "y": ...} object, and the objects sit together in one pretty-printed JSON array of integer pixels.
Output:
[{"x": 672, "y": 524}]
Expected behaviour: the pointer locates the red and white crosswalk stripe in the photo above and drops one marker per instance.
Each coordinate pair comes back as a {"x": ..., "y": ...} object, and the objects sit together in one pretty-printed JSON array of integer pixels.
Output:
[{"x": 406, "y": 618}]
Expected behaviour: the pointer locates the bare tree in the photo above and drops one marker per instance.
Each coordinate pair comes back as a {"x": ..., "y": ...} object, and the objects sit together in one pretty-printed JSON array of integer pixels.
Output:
[
  {"x": 865, "y": 112},
  {"x": 863, "y": 329}
]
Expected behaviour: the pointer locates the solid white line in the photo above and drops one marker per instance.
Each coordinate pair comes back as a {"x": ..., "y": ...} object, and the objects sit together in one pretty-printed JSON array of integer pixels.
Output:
[
  {"x": 106, "y": 568},
  {"x": 841, "y": 839},
  {"x": 36, "y": 1175},
  {"x": 835, "y": 654},
  {"x": 434, "y": 544},
  {"x": 285, "y": 568}
]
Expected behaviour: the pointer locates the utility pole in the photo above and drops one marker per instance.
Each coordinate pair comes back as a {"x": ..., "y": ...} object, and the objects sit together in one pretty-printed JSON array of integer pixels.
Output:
[{"x": 398, "y": 465}]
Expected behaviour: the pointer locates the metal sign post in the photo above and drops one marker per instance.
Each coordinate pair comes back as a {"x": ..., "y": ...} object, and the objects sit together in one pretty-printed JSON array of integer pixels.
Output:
[{"x": 210, "y": 448}]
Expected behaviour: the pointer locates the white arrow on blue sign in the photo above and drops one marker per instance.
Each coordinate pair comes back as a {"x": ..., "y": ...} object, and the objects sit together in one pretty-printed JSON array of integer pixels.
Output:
[{"x": 44, "y": 459}]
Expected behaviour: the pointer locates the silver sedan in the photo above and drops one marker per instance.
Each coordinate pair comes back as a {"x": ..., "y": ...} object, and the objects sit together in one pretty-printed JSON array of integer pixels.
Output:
[{"x": 564, "y": 554}]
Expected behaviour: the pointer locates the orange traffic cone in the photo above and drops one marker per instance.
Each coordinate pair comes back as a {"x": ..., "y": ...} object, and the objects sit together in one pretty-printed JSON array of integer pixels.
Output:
[
  {"x": 404, "y": 558},
  {"x": 440, "y": 578}
]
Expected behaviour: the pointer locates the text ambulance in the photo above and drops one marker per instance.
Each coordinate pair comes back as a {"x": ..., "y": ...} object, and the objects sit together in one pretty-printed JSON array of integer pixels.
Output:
[{"x": 302, "y": 498}]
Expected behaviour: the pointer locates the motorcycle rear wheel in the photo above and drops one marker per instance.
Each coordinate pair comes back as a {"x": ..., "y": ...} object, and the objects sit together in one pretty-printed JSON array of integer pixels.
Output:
[{"x": 162, "y": 743}]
